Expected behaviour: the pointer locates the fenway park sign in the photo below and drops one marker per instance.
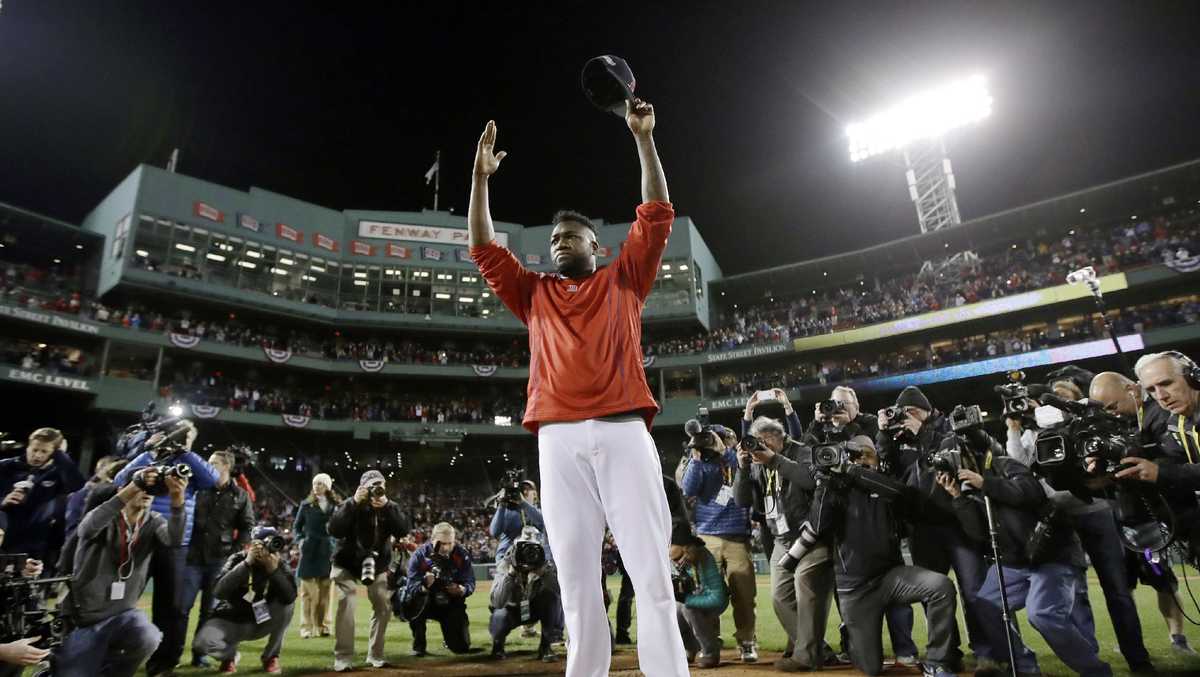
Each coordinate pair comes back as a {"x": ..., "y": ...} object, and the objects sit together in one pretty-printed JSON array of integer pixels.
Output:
[
  {"x": 752, "y": 351},
  {"x": 405, "y": 231}
]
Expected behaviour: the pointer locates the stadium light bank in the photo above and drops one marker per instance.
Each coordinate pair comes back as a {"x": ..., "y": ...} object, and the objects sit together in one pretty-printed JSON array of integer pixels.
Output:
[{"x": 925, "y": 116}]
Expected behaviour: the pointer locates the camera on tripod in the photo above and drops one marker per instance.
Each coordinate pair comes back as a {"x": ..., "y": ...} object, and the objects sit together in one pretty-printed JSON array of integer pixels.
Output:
[{"x": 159, "y": 487}]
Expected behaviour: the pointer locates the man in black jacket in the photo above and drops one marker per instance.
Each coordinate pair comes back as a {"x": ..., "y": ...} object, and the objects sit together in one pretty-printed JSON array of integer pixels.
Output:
[
  {"x": 905, "y": 446},
  {"x": 861, "y": 509},
  {"x": 1042, "y": 580},
  {"x": 366, "y": 526},
  {"x": 256, "y": 595},
  {"x": 774, "y": 476},
  {"x": 32, "y": 487},
  {"x": 222, "y": 525}
]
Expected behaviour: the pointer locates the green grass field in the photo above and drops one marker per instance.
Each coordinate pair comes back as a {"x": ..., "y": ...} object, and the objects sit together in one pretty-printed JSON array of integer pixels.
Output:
[{"x": 307, "y": 656}]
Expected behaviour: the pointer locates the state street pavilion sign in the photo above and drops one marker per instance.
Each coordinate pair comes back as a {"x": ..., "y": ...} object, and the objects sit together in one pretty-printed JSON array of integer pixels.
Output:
[{"x": 459, "y": 237}]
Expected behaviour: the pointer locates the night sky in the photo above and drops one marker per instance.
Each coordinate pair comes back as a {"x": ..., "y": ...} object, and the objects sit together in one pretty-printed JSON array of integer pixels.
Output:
[{"x": 345, "y": 108}]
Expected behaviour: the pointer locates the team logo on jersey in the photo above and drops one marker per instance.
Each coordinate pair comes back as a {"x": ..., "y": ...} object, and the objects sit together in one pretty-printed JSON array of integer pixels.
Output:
[
  {"x": 371, "y": 366},
  {"x": 484, "y": 369},
  {"x": 278, "y": 356},
  {"x": 183, "y": 340},
  {"x": 205, "y": 411},
  {"x": 647, "y": 360},
  {"x": 295, "y": 421}
]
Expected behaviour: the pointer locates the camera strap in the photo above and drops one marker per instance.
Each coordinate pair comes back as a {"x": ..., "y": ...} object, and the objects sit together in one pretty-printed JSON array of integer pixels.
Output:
[{"x": 127, "y": 537}]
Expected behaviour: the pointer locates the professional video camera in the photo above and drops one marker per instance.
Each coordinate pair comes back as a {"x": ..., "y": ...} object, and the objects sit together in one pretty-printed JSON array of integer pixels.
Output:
[
  {"x": 24, "y": 611},
  {"x": 136, "y": 437},
  {"x": 159, "y": 488},
  {"x": 701, "y": 437},
  {"x": 1016, "y": 396},
  {"x": 1084, "y": 431},
  {"x": 528, "y": 551},
  {"x": 828, "y": 457},
  {"x": 511, "y": 493}
]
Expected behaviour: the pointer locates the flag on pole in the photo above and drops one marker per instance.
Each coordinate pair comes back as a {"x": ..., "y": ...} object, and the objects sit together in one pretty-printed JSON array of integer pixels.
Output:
[{"x": 433, "y": 170}]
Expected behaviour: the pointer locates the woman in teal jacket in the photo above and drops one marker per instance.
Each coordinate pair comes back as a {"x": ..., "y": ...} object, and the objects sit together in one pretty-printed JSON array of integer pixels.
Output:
[
  {"x": 316, "y": 555},
  {"x": 701, "y": 596}
]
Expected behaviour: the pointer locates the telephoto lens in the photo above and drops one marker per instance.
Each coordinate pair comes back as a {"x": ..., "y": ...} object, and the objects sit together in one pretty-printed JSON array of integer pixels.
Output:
[{"x": 367, "y": 575}]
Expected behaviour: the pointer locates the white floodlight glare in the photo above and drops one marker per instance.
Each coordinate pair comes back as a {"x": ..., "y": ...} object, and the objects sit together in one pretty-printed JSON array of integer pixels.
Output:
[{"x": 925, "y": 116}]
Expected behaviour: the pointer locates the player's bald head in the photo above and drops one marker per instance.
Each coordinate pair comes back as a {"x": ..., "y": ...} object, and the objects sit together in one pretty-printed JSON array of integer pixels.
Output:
[{"x": 1117, "y": 392}]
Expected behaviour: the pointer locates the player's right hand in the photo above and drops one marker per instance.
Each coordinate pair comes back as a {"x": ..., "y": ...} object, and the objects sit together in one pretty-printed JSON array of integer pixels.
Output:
[{"x": 487, "y": 161}]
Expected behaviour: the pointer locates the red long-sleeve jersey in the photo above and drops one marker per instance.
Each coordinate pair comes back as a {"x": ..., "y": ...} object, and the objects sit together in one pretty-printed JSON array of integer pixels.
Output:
[{"x": 585, "y": 336}]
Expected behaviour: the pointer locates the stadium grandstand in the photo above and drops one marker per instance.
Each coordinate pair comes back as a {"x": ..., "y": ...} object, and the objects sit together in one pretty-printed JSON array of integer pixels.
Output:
[{"x": 335, "y": 340}]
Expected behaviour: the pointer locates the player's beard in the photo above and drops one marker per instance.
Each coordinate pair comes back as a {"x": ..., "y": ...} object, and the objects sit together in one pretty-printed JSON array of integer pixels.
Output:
[{"x": 575, "y": 266}]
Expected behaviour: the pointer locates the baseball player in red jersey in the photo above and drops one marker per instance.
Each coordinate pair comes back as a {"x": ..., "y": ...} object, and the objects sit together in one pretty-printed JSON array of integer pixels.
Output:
[{"x": 591, "y": 408}]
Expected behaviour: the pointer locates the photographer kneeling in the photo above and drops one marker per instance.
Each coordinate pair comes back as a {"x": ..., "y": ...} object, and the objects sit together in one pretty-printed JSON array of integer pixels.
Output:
[
  {"x": 365, "y": 526},
  {"x": 775, "y": 477},
  {"x": 256, "y": 595},
  {"x": 1041, "y": 560},
  {"x": 861, "y": 510},
  {"x": 700, "y": 596},
  {"x": 440, "y": 579},
  {"x": 525, "y": 591},
  {"x": 111, "y": 636}
]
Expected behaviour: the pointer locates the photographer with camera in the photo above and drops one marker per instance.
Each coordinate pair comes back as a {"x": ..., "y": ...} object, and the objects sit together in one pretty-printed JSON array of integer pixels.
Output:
[
  {"x": 861, "y": 511},
  {"x": 514, "y": 513},
  {"x": 366, "y": 526},
  {"x": 256, "y": 596},
  {"x": 1092, "y": 520},
  {"x": 168, "y": 449},
  {"x": 700, "y": 596},
  {"x": 115, "y": 543},
  {"x": 722, "y": 524},
  {"x": 440, "y": 579},
  {"x": 224, "y": 519},
  {"x": 1124, "y": 397},
  {"x": 1041, "y": 560},
  {"x": 33, "y": 486},
  {"x": 839, "y": 418},
  {"x": 1173, "y": 380},
  {"x": 775, "y": 477},
  {"x": 526, "y": 591},
  {"x": 910, "y": 433}
]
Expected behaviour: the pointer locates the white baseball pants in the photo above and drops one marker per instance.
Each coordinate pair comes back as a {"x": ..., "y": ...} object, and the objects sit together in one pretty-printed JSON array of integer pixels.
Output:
[{"x": 595, "y": 471}]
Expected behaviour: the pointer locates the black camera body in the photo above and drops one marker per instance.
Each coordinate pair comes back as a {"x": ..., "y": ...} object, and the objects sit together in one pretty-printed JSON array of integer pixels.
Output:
[
  {"x": 1086, "y": 432},
  {"x": 700, "y": 437},
  {"x": 963, "y": 418},
  {"x": 751, "y": 443},
  {"x": 949, "y": 461},
  {"x": 511, "y": 487},
  {"x": 682, "y": 583},
  {"x": 528, "y": 555},
  {"x": 828, "y": 408},
  {"x": 829, "y": 457},
  {"x": 159, "y": 488},
  {"x": 275, "y": 544},
  {"x": 377, "y": 490},
  {"x": 24, "y": 608}
]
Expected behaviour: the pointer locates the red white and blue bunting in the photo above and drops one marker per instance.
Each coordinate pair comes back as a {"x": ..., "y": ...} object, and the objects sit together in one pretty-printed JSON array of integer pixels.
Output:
[
  {"x": 183, "y": 340},
  {"x": 484, "y": 370},
  {"x": 371, "y": 366},
  {"x": 295, "y": 420},
  {"x": 647, "y": 361},
  {"x": 277, "y": 356},
  {"x": 205, "y": 411}
]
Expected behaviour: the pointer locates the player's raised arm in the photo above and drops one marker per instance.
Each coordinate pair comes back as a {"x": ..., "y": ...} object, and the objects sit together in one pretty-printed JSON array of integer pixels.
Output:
[
  {"x": 639, "y": 115},
  {"x": 479, "y": 214}
]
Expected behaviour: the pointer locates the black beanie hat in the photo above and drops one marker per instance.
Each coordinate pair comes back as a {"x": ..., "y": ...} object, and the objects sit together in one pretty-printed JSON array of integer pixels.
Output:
[
  {"x": 912, "y": 396},
  {"x": 1078, "y": 375},
  {"x": 681, "y": 534}
]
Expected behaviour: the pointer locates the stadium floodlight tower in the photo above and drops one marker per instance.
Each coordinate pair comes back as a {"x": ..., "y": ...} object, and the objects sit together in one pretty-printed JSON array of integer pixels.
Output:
[{"x": 916, "y": 127}]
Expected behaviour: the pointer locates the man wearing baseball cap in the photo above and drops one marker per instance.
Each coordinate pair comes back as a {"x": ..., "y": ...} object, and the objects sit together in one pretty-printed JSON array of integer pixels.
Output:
[{"x": 366, "y": 526}]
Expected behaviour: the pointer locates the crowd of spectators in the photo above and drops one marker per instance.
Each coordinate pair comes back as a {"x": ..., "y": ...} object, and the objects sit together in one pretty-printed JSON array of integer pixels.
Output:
[
  {"x": 56, "y": 359},
  {"x": 939, "y": 353},
  {"x": 1025, "y": 266},
  {"x": 343, "y": 402}
]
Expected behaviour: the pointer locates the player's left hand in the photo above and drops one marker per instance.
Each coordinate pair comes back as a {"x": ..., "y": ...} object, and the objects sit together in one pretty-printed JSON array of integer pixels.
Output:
[{"x": 639, "y": 115}]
